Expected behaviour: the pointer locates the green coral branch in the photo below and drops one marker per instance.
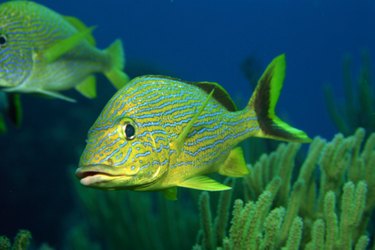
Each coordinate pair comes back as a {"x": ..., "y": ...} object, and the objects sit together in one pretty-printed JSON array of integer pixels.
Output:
[
  {"x": 358, "y": 107},
  {"x": 123, "y": 219},
  {"x": 327, "y": 211}
]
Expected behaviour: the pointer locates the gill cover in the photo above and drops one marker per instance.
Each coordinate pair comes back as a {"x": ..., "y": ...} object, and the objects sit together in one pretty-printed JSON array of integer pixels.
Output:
[
  {"x": 17, "y": 43},
  {"x": 148, "y": 160},
  {"x": 135, "y": 157}
]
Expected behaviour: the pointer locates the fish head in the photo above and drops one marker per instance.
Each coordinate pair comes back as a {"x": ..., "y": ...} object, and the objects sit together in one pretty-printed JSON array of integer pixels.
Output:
[
  {"x": 123, "y": 154},
  {"x": 17, "y": 36}
]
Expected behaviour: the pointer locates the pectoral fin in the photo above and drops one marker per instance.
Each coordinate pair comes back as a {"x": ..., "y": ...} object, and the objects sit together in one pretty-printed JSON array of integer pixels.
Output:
[
  {"x": 62, "y": 47},
  {"x": 203, "y": 183},
  {"x": 88, "y": 87},
  {"x": 55, "y": 95},
  {"x": 15, "y": 108},
  {"x": 179, "y": 142},
  {"x": 170, "y": 193},
  {"x": 234, "y": 165}
]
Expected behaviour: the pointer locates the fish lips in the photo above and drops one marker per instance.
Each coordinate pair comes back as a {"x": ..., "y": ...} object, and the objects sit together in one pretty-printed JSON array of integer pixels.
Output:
[{"x": 96, "y": 175}]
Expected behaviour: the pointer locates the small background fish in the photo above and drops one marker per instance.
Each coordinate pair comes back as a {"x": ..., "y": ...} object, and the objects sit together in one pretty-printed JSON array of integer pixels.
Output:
[
  {"x": 158, "y": 133},
  {"x": 44, "y": 52}
]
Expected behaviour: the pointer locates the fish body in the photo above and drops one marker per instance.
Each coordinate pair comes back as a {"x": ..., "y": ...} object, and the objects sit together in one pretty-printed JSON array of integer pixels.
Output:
[
  {"x": 45, "y": 52},
  {"x": 159, "y": 133}
]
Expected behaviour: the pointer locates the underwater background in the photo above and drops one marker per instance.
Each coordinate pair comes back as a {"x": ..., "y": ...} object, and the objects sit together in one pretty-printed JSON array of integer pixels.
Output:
[{"x": 229, "y": 42}]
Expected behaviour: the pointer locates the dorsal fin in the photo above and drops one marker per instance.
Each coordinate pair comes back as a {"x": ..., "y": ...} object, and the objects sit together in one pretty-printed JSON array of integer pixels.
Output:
[{"x": 220, "y": 94}]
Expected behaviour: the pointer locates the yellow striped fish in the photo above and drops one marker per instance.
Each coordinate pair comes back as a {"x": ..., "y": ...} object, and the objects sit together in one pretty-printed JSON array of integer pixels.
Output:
[
  {"x": 159, "y": 133},
  {"x": 44, "y": 52}
]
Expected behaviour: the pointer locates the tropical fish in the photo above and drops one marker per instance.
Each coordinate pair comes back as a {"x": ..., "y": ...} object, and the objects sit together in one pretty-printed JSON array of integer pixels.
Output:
[
  {"x": 160, "y": 133},
  {"x": 44, "y": 52}
]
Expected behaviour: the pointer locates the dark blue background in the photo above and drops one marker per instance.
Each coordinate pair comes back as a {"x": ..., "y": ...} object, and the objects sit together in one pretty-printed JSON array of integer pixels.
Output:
[
  {"x": 208, "y": 40},
  {"x": 196, "y": 40}
]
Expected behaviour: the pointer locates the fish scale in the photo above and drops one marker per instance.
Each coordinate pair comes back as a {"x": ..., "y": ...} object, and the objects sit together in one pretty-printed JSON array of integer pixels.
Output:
[{"x": 179, "y": 132}]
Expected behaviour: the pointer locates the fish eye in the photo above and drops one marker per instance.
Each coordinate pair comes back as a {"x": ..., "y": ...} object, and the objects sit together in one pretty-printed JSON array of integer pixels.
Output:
[
  {"x": 3, "y": 40},
  {"x": 129, "y": 131},
  {"x": 127, "y": 128}
]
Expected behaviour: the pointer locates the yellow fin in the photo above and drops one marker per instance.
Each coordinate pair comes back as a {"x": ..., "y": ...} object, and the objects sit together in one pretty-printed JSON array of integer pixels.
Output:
[
  {"x": 203, "y": 183},
  {"x": 115, "y": 74},
  {"x": 234, "y": 165},
  {"x": 80, "y": 26},
  {"x": 88, "y": 87},
  {"x": 64, "y": 46},
  {"x": 179, "y": 142},
  {"x": 170, "y": 193}
]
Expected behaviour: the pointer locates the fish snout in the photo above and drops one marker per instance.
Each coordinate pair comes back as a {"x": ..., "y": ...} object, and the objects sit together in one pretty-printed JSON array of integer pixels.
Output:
[{"x": 94, "y": 175}]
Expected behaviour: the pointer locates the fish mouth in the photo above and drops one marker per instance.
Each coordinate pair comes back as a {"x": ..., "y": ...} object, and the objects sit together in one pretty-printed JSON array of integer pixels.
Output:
[{"x": 94, "y": 175}]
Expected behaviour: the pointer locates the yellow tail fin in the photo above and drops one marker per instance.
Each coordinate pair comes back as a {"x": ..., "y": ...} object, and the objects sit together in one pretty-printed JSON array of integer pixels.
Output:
[{"x": 115, "y": 74}]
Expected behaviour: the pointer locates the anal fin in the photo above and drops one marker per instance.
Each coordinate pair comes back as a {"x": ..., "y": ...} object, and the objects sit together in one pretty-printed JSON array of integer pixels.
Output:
[
  {"x": 235, "y": 164},
  {"x": 88, "y": 87}
]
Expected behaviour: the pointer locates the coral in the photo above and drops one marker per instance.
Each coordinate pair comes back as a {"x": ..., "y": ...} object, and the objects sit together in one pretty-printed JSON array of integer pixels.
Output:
[
  {"x": 21, "y": 241},
  {"x": 326, "y": 205},
  {"x": 358, "y": 108},
  {"x": 4, "y": 243}
]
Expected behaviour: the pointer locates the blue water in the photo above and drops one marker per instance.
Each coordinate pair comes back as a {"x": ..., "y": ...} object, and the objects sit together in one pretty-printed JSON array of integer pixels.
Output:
[
  {"x": 208, "y": 40},
  {"x": 196, "y": 40}
]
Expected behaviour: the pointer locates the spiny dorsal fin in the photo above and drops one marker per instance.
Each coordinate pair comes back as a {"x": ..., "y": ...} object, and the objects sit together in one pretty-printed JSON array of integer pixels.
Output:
[
  {"x": 80, "y": 26},
  {"x": 202, "y": 182},
  {"x": 179, "y": 142},
  {"x": 220, "y": 94},
  {"x": 235, "y": 164}
]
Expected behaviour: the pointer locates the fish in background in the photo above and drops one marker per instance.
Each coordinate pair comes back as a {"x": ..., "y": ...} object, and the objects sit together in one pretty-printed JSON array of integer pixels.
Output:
[
  {"x": 160, "y": 133},
  {"x": 45, "y": 53}
]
